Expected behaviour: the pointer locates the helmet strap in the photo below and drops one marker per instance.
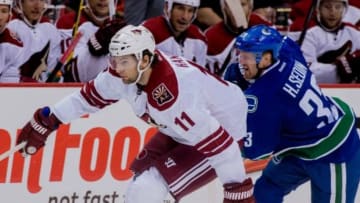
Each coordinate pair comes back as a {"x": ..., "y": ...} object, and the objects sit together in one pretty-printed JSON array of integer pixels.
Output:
[
  {"x": 26, "y": 20},
  {"x": 139, "y": 56}
]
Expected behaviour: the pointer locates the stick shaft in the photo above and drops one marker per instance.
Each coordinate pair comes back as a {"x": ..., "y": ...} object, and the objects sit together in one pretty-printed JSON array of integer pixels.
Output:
[
  {"x": 64, "y": 57},
  {"x": 111, "y": 9},
  {"x": 12, "y": 151},
  {"x": 77, "y": 19},
  {"x": 307, "y": 21}
]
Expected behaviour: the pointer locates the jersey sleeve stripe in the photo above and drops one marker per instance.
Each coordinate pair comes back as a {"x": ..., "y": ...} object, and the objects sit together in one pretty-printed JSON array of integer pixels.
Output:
[
  {"x": 91, "y": 95},
  {"x": 215, "y": 143}
]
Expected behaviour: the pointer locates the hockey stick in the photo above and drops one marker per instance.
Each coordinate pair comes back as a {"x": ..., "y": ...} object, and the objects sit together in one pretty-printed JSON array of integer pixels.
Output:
[
  {"x": 306, "y": 22},
  {"x": 75, "y": 30},
  {"x": 64, "y": 57},
  {"x": 77, "y": 19},
  {"x": 236, "y": 13},
  {"x": 111, "y": 9},
  {"x": 11, "y": 151}
]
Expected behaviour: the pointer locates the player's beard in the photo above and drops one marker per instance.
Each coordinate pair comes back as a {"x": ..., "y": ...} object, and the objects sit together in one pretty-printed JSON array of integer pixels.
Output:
[{"x": 128, "y": 80}]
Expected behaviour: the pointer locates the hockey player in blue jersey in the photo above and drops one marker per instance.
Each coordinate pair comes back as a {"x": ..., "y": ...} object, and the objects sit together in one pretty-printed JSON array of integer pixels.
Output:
[
  {"x": 310, "y": 136},
  {"x": 289, "y": 51}
]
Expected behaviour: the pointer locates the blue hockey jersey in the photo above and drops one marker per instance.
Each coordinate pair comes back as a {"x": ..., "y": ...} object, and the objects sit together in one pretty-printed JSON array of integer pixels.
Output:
[{"x": 288, "y": 114}]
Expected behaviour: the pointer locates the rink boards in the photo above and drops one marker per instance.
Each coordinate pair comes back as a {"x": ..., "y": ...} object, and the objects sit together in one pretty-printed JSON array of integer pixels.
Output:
[{"x": 87, "y": 161}]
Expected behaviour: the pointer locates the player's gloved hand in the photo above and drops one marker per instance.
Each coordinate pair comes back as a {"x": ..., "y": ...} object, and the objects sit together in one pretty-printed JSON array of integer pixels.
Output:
[
  {"x": 36, "y": 131},
  {"x": 348, "y": 67},
  {"x": 159, "y": 145},
  {"x": 99, "y": 42},
  {"x": 239, "y": 192}
]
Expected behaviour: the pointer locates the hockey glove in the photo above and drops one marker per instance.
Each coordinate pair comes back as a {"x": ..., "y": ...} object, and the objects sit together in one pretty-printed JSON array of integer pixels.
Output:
[
  {"x": 348, "y": 67},
  {"x": 36, "y": 131},
  {"x": 99, "y": 42},
  {"x": 239, "y": 192}
]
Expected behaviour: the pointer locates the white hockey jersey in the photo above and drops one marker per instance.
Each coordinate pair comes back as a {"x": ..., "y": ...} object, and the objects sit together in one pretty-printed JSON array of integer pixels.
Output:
[
  {"x": 185, "y": 101},
  {"x": 85, "y": 67},
  {"x": 318, "y": 42},
  {"x": 192, "y": 46},
  {"x": 11, "y": 51},
  {"x": 352, "y": 15},
  {"x": 220, "y": 46},
  {"x": 36, "y": 37}
]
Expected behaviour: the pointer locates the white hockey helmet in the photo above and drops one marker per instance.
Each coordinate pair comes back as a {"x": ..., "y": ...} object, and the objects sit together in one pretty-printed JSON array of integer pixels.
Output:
[
  {"x": 132, "y": 40},
  {"x": 7, "y": 2},
  {"x": 319, "y": 2},
  {"x": 19, "y": 9},
  {"x": 193, "y": 3}
]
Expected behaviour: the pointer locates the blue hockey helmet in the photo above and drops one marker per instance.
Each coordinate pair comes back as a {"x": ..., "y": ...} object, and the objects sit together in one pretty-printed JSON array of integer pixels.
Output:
[{"x": 259, "y": 39}]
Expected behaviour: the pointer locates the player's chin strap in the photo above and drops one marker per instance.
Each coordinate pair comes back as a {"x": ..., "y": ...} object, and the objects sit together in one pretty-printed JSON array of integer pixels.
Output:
[
  {"x": 139, "y": 56},
  {"x": 168, "y": 21},
  {"x": 96, "y": 19},
  {"x": 33, "y": 24}
]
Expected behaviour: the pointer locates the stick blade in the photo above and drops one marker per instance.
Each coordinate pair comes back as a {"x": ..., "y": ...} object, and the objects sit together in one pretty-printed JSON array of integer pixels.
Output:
[{"x": 237, "y": 13}]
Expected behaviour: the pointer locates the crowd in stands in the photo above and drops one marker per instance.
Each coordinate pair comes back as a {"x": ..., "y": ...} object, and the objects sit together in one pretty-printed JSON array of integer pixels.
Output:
[{"x": 35, "y": 34}]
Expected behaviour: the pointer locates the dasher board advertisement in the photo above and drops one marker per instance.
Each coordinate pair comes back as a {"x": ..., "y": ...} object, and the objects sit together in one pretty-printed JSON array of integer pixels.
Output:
[{"x": 88, "y": 160}]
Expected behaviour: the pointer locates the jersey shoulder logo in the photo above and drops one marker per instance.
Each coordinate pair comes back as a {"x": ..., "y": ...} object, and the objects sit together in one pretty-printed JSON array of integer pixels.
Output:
[
  {"x": 15, "y": 36},
  {"x": 162, "y": 95},
  {"x": 252, "y": 103}
]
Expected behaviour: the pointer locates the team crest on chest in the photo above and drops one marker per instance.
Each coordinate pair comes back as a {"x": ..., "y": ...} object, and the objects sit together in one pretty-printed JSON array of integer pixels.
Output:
[
  {"x": 162, "y": 95},
  {"x": 252, "y": 101}
]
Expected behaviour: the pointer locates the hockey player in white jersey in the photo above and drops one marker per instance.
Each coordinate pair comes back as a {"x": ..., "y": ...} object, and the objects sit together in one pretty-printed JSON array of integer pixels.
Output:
[
  {"x": 332, "y": 47},
  {"x": 174, "y": 32},
  {"x": 41, "y": 40},
  {"x": 97, "y": 28},
  {"x": 186, "y": 103},
  {"x": 10, "y": 47},
  {"x": 221, "y": 36},
  {"x": 92, "y": 56}
]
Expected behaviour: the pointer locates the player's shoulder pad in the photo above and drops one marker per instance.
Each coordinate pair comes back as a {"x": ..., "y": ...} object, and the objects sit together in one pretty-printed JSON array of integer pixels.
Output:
[
  {"x": 10, "y": 37},
  {"x": 194, "y": 32},
  {"x": 215, "y": 43},
  {"x": 158, "y": 27}
]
